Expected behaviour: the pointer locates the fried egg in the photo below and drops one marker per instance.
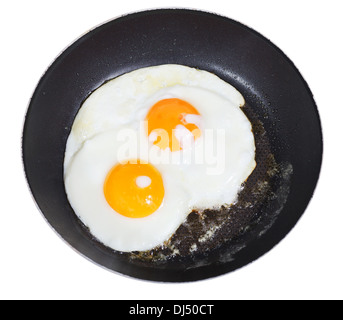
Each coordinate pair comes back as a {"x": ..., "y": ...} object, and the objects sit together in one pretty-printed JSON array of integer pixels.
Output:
[
  {"x": 150, "y": 146},
  {"x": 127, "y": 205}
]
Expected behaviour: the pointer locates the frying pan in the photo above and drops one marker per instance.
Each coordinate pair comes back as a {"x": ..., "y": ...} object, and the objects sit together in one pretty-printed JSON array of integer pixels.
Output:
[{"x": 274, "y": 90}]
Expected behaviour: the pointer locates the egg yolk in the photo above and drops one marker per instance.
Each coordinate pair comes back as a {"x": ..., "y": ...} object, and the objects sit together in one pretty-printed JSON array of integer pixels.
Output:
[
  {"x": 133, "y": 189},
  {"x": 165, "y": 116}
]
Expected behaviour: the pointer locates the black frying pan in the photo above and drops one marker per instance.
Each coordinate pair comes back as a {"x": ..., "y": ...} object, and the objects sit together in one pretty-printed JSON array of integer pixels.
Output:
[{"x": 277, "y": 98}]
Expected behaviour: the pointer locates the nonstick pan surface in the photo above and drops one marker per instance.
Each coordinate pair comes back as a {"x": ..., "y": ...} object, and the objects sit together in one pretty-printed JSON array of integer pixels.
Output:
[{"x": 279, "y": 103}]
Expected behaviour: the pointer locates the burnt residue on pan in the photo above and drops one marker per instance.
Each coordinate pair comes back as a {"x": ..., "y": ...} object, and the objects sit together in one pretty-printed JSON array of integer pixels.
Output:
[
  {"x": 207, "y": 231},
  {"x": 217, "y": 235}
]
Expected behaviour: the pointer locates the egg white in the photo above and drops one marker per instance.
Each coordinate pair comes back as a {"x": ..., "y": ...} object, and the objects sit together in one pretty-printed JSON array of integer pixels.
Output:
[{"x": 92, "y": 150}]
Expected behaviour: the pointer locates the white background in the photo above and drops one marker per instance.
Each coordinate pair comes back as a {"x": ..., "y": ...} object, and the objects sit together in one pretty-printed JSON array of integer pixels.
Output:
[{"x": 36, "y": 264}]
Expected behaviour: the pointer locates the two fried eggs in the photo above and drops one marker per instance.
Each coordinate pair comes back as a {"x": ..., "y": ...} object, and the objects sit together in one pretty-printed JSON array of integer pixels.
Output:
[{"x": 150, "y": 146}]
